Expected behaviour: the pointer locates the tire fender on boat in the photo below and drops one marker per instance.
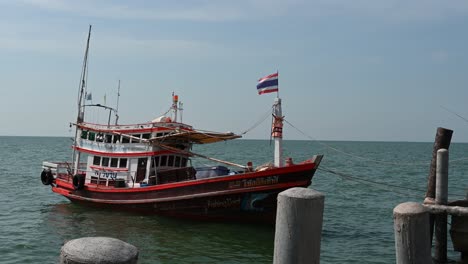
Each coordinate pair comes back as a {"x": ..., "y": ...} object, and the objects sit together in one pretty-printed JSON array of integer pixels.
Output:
[
  {"x": 46, "y": 177},
  {"x": 78, "y": 181}
]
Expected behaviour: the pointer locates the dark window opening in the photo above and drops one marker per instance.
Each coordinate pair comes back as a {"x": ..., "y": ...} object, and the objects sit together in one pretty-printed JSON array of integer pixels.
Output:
[
  {"x": 100, "y": 137},
  {"x": 97, "y": 160},
  {"x": 184, "y": 162},
  {"x": 136, "y": 140},
  {"x": 177, "y": 161},
  {"x": 114, "y": 162},
  {"x": 146, "y": 136},
  {"x": 84, "y": 134},
  {"x": 91, "y": 136},
  {"x": 108, "y": 139},
  {"x": 116, "y": 138},
  {"x": 125, "y": 140},
  {"x": 171, "y": 161},
  {"x": 105, "y": 162},
  {"x": 163, "y": 161},
  {"x": 156, "y": 161},
  {"x": 123, "y": 163}
]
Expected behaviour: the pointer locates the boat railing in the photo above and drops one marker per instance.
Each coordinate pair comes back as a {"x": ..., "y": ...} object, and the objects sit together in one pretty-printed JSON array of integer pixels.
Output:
[
  {"x": 149, "y": 125},
  {"x": 62, "y": 167}
]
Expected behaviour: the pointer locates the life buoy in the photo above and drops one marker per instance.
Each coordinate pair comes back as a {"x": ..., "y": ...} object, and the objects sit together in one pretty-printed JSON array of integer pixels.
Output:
[
  {"x": 46, "y": 177},
  {"x": 78, "y": 181}
]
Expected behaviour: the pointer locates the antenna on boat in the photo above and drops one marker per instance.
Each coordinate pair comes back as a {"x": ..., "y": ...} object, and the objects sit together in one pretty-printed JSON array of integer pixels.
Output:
[
  {"x": 175, "y": 100},
  {"x": 81, "y": 106},
  {"x": 181, "y": 109},
  {"x": 117, "y": 108}
]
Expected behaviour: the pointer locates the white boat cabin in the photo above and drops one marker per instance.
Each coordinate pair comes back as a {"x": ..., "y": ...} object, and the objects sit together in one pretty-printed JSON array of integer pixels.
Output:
[{"x": 133, "y": 155}]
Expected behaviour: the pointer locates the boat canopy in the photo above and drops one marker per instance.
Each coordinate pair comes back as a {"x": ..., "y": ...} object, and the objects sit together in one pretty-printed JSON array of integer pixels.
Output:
[{"x": 199, "y": 137}]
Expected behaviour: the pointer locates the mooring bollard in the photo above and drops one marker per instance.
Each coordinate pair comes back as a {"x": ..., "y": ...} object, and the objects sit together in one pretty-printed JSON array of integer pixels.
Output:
[
  {"x": 441, "y": 197},
  {"x": 298, "y": 230},
  {"x": 98, "y": 250},
  {"x": 411, "y": 227}
]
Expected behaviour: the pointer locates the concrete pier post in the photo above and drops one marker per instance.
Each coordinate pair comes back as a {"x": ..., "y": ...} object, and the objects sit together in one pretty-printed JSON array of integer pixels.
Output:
[
  {"x": 441, "y": 197},
  {"x": 98, "y": 250},
  {"x": 411, "y": 227},
  {"x": 298, "y": 230}
]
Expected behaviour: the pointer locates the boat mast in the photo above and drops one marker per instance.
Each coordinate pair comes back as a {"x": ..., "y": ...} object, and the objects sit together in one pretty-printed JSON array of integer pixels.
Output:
[
  {"x": 81, "y": 106},
  {"x": 277, "y": 130},
  {"x": 117, "y": 108}
]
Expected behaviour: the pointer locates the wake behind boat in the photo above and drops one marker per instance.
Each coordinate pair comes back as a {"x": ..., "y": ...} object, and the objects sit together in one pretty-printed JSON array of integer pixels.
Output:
[{"x": 147, "y": 167}]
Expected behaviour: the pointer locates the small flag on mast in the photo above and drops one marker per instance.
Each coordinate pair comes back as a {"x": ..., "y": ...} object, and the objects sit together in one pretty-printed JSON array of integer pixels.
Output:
[
  {"x": 268, "y": 84},
  {"x": 89, "y": 97}
]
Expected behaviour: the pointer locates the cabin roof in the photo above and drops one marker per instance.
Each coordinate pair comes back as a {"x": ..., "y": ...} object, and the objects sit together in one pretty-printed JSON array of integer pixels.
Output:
[{"x": 199, "y": 137}]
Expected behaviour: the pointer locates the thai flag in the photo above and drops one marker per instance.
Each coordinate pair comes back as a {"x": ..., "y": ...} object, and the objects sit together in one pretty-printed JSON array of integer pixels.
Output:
[{"x": 268, "y": 84}]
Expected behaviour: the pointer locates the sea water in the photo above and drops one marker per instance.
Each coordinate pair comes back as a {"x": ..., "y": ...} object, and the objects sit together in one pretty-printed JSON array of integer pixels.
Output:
[{"x": 369, "y": 180}]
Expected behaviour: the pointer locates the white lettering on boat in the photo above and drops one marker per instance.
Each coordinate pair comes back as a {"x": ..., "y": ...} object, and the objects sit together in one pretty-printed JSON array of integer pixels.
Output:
[
  {"x": 253, "y": 182},
  {"x": 107, "y": 175},
  {"x": 223, "y": 203}
]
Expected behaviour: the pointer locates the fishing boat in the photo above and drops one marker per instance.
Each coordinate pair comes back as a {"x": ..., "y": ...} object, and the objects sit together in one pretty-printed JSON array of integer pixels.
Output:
[{"x": 147, "y": 167}]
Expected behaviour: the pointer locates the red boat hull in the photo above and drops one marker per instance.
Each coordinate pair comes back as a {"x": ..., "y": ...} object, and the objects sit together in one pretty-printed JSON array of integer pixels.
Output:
[{"x": 246, "y": 197}]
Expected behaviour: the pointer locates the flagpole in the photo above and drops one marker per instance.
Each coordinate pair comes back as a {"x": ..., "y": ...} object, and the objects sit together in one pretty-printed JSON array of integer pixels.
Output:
[
  {"x": 277, "y": 92},
  {"x": 277, "y": 127}
]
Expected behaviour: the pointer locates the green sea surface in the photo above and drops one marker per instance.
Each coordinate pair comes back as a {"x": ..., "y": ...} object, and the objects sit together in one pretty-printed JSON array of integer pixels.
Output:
[{"x": 358, "y": 224}]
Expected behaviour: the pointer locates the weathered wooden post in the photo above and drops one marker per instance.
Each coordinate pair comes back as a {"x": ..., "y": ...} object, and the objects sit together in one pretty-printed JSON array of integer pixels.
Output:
[
  {"x": 98, "y": 250},
  {"x": 298, "y": 230},
  {"x": 441, "y": 197},
  {"x": 411, "y": 227},
  {"x": 442, "y": 141}
]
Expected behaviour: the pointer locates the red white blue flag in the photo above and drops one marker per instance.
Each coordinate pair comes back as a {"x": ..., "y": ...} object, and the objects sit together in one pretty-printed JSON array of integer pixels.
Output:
[{"x": 268, "y": 84}]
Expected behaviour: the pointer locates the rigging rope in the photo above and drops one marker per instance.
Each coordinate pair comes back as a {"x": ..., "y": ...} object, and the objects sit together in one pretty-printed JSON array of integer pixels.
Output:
[
  {"x": 366, "y": 181},
  {"x": 259, "y": 121},
  {"x": 356, "y": 156},
  {"x": 419, "y": 163}
]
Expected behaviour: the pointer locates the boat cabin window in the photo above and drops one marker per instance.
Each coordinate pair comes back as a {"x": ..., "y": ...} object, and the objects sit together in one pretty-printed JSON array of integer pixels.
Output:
[
  {"x": 168, "y": 161},
  {"x": 163, "y": 161},
  {"x": 155, "y": 162},
  {"x": 146, "y": 136},
  {"x": 91, "y": 136},
  {"x": 114, "y": 162},
  {"x": 116, "y": 138},
  {"x": 99, "y": 137},
  {"x": 162, "y": 134},
  {"x": 123, "y": 163},
  {"x": 134, "y": 140},
  {"x": 84, "y": 134},
  {"x": 125, "y": 140},
  {"x": 108, "y": 138},
  {"x": 110, "y": 162}
]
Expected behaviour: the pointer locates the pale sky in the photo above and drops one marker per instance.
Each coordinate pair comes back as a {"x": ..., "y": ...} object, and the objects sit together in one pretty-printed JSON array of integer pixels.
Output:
[{"x": 348, "y": 70}]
